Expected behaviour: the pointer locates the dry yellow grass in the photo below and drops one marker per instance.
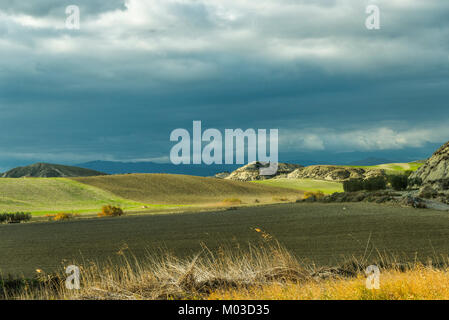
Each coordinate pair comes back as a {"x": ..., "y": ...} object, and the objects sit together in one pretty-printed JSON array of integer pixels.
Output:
[
  {"x": 317, "y": 194},
  {"x": 421, "y": 283},
  {"x": 232, "y": 201},
  {"x": 265, "y": 272},
  {"x": 163, "y": 276},
  {"x": 62, "y": 216}
]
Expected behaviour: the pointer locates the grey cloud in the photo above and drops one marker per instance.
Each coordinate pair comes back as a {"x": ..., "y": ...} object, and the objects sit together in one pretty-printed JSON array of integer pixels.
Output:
[
  {"x": 117, "y": 87},
  {"x": 42, "y": 8}
]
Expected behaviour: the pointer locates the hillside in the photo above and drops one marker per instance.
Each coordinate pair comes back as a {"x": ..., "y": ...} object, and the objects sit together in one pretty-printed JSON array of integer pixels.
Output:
[
  {"x": 328, "y": 187},
  {"x": 47, "y": 170},
  {"x": 181, "y": 189},
  {"x": 435, "y": 172},
  {"x": 54, "y": 194},
  {"x": 134, "y": 191},
  {"x": 395, "y": 167}
]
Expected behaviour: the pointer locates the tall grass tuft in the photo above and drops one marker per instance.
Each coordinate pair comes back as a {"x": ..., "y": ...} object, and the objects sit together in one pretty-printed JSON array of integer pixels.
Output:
[
  {"x": 266, "y": 271},
  {"x": 164, "y": 276}
]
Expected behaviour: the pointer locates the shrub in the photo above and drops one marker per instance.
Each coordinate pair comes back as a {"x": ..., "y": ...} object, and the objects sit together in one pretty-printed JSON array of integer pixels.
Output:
[
  {"x": 16, "y": 217},
  {"x": 408, "y": 173},
  {"x": 375, "y": 183},
  {"x": 111, "y": 211},
  {"x": 370, "y": 184},
  {"x": 316, "y": 195},
  {"x": 398, "y": 182},
  {"x": 62, "y": 216},
  {"x": 353, "y": 185},
  {"x": 232, "y": 200}
]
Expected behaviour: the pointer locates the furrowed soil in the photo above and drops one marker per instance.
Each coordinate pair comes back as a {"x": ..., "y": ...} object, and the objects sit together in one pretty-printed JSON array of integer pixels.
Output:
[{"x": 322, "y": 233}]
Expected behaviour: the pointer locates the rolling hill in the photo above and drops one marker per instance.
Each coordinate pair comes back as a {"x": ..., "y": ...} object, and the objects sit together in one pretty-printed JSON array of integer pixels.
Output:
[
  {"x": 155, "y": 192},
  {"x": 392, "y": 168},
  {"x": 46, "y": 195},
  {"x": 47, "y": 170},
  {"x": 327, "y": 187},
  {"x": 181, "y": 189}
]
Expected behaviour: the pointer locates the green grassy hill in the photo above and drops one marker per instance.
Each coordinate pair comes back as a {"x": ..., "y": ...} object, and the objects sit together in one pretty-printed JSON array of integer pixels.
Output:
[
  {"x": 131, "y": 192},
  {"x": 394, "y": 167},
  {"x": 181, "y": 189},
  {"x": 45, "y": 195}
]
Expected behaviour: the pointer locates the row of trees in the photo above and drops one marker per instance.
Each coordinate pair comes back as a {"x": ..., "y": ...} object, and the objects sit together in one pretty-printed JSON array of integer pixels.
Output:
[
  {"x": 397, "y": 182},
  {"x": 16, "y": 217},
  {"x": 370, "y": 184}
]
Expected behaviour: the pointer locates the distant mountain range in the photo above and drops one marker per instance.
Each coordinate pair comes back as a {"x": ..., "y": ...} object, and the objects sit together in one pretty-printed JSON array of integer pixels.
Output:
[
  {"x": 96, "y": 168},
  {"x": 119, "y": 167},
  {"x": 48, "y": 170}
]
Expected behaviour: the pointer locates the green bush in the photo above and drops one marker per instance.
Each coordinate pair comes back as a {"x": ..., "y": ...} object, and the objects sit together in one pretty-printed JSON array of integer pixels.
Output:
[
  {"x": 408, "y": 173},
  {"x": 16, "y": 217},
  {"x": 398, "y": 182},
  {"x": 353, "y": 185},
  {"x": 375, "y": 183},
  {"x": 415, "y": 182},
  {"x": 370, "y": 184}
]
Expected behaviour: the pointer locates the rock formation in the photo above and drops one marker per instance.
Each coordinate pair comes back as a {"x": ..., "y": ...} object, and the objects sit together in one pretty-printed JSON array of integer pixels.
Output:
[
  {"x": 435, "y": 172},
  {"x": 222, "y": 175},
  {"x": 334, "y": 173},
  {"x": 250, "y": 172}
]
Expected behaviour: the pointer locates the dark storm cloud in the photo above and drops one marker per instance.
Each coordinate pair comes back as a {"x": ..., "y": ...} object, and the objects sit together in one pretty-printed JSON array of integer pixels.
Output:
[{"x": 117, "y": 87}]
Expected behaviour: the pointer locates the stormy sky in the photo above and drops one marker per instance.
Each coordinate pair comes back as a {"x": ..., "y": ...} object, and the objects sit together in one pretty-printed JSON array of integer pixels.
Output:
[{"x": 138, "y": 69}]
